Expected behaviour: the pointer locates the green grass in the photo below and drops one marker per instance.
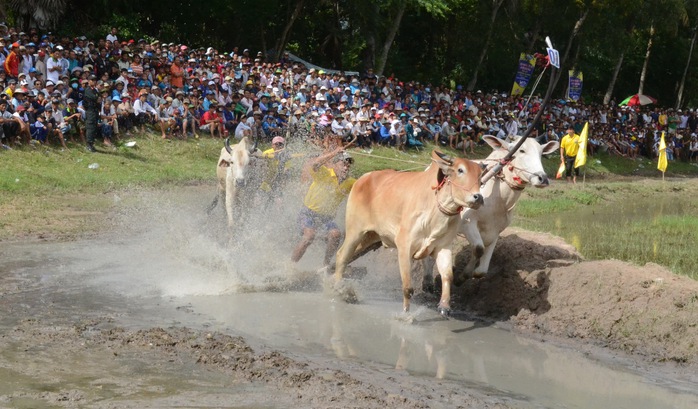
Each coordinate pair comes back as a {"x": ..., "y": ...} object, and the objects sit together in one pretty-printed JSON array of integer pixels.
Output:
[{"x": 643, "y": 221}]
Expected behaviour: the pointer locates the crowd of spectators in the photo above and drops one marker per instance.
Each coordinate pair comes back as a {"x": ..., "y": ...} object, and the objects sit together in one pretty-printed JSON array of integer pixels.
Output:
[{"x": 180, "y": 91}]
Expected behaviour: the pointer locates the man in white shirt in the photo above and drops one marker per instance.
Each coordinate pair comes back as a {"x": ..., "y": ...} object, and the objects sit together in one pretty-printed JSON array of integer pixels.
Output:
[
  {"x": 54, "y": 67},
  {"x": 143, "y": 111},
  {"x": 112, "y": 35}
]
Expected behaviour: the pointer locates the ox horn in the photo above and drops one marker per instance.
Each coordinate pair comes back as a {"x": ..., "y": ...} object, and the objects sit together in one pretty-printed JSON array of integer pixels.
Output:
[
  {"x": 446, "y": 158},
  {"x": 227, "y": 146},
  {"x": 254, "y": 145}
]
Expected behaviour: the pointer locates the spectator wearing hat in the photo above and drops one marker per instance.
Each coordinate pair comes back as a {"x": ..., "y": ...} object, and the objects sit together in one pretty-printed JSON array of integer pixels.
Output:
[
  {"x": 143, "y": 111},
  {"x": 11, "y": 127},
  {"x": 19, "y": 97},
  {"x": 10, "y": 89},
  {"x": 52, "y": 126},
  {"x": 40, "y": 64},
  {"x": 167, "y": 120},
  {"x": 108, "y": 119},
  {"x": 12, "y": 62},
  {"x": 91, "y": 105},
  {"x": 125, "y": 114},
  {"x": 278, "y": 170},
  {"x": 189, "y": 119}
]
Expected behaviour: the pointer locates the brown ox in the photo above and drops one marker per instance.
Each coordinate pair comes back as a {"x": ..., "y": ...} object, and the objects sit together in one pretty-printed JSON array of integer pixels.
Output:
[{"x": 416, "y": 212}]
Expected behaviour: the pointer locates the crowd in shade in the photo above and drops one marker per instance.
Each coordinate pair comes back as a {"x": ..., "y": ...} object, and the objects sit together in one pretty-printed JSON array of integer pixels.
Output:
[{"x": 181, "y": 92}]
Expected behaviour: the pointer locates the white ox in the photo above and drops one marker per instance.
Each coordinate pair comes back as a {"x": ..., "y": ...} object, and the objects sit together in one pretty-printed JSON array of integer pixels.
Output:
[
  {"x": 416, "y": 212},
  {"x": 232, "y": 170},
  {"x": 482, "y": 227}
]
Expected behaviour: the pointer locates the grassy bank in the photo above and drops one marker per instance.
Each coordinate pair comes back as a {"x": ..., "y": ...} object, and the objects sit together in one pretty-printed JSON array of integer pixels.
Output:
[{"x": 51, "y": 193}]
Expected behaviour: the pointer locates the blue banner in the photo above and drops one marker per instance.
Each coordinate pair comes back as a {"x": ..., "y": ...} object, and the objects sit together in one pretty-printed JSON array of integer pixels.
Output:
[
  {"x": 574, "y": 88},
  {"x": 526, "y": 65}
]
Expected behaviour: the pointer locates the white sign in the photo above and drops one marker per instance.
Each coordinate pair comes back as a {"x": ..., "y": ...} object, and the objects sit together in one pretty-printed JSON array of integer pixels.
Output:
[{"x": 554, "y": 57}]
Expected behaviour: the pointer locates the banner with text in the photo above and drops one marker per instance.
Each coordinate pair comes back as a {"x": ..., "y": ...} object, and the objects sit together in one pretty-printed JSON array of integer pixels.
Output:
[
  {"x": 527, "y": 63},
  {"x": 574, "y": 88}
]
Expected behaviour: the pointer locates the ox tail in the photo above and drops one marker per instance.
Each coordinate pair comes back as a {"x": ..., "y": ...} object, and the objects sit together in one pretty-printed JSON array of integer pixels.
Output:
[
  {"x": 212, "y": 206},
  {"x": 363, "y": 251}
]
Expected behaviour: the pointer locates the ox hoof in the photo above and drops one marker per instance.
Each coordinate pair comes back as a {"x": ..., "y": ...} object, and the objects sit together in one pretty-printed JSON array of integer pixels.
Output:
[
  {"x": 444, "y": 311},
  {"x": 479, "y": 274},
  {"x": 345, "y": 292}
]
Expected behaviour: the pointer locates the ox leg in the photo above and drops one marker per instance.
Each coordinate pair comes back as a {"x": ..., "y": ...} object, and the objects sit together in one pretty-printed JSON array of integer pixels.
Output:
[
  {"x": 444, "y": 263},
  {"x": 472, "y": 234},
  {"x": 484, "y": 265},
  {"x": 230, "y": 190},
  {"x": 427, "y": 266},
  {"x": 405, "y": 263},
  {"x": 354, "y": 246}
]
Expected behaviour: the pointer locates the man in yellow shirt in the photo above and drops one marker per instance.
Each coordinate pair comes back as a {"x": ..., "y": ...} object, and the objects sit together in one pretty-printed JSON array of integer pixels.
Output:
[
  {"x": 569, "y": 146},
  {"x": 278, "y": 165},
  {"x": 331, "y": 185}
]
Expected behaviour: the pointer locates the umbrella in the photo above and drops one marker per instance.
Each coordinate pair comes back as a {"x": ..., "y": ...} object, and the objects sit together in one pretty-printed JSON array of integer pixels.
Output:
[{"x": 638, "y": 99}]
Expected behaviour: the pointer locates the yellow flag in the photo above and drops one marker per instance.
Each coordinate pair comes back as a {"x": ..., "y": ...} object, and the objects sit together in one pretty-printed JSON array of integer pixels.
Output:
[
  {"x": 661, "y": 165},
  {"x": 581, "y": 158}
]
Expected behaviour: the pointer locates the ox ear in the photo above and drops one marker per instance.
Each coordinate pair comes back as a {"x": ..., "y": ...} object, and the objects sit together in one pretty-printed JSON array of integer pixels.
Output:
[
  {"x": 550, "y": 147},
  {"x": 495, "y": 142}
]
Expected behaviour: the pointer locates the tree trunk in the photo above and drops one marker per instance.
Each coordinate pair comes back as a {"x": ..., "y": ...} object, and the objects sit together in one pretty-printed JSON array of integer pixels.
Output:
[
  {"x": 383, "y": 59},
  {"x": 643, "y": 74},
  {"x": 679, "y": 96},
  {"x": 262, "y": 34},
  {"x": 533, "y": 37},
  {"x": 496, "y": 4},
  {"x": 577, "y": 26},
  {"x": 614, "y": 78},
  {"x": 281, "y": 44}
]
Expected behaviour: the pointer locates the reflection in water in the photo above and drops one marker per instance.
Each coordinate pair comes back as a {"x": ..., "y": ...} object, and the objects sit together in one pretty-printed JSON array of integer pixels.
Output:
[{"x": 476, "y": 355}]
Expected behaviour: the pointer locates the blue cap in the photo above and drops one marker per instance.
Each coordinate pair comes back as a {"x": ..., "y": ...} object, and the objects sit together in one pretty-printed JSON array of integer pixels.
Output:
[{"x": 32, "y": 69}]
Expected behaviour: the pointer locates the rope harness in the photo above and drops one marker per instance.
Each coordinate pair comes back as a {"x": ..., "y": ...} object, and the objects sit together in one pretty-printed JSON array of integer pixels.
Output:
[{"x": 437, "y": 188}]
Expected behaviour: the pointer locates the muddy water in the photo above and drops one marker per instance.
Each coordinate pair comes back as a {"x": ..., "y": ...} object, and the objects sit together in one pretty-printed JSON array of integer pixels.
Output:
[{"x": 166, "y": 265}]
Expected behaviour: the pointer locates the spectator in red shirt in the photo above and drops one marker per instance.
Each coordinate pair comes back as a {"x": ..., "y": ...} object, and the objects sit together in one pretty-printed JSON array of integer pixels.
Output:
[
  {"x": 210, "y": 120},
  {"x": 12, "y": 62}
]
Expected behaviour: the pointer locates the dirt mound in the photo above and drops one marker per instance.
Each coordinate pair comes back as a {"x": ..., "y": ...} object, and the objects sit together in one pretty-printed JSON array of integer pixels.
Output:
[{"x": 543, "y": 286}]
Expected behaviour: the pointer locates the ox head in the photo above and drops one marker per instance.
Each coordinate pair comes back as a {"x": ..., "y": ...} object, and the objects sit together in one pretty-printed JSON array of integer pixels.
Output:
[
  {"x": 525, "y": 167},
  {"x": 240, "y": 159},
  {"x": 463, "y": 176}
]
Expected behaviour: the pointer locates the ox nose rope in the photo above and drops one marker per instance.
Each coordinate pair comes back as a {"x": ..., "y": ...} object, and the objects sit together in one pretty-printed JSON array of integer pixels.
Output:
[{"x": 443, "y": 208}]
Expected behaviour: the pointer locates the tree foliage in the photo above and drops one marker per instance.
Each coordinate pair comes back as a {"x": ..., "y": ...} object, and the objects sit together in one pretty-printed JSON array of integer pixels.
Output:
[{"x": 459, "y": 41}]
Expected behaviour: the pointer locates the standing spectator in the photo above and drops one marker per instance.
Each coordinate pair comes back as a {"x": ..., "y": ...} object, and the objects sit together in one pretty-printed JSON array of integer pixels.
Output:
[
  {"x": 12, "y": 62},
  {"x": 54, "y": 67},
  {"x": 569, "y": 146},
  {"x": 177, "y": 74},
  {"x": 91, "y": 105},
  {"x": 112, "y": 35}
]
